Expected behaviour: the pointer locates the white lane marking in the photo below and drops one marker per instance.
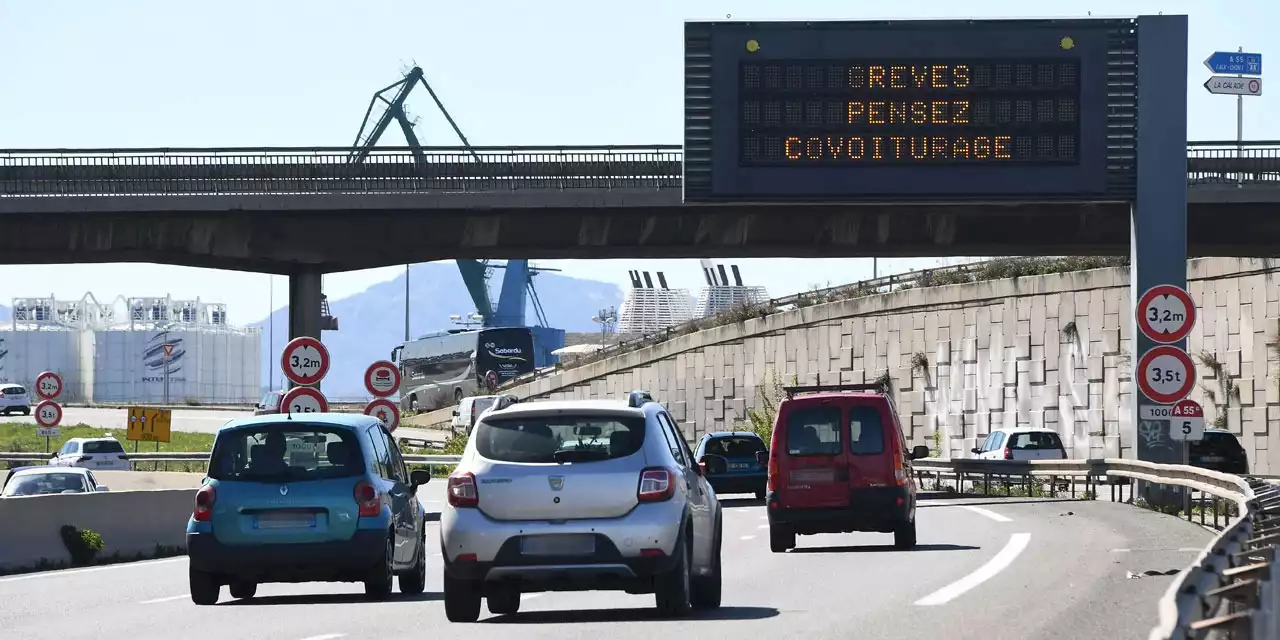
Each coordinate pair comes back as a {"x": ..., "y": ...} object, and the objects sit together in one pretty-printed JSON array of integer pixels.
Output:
[
  {"x": 106, "y": 567},
  {"x": 1191, "y": 549},
  {"x": 748, "y": 537},
  {"x": 327, "y": 636},
  {"x": 529, "y": 596},
  {"x": 1001, "y": 561},
  {"x": 985, "y": 512},
  {"x": 1121, "y": 550},
  {"x": 763, "y": 526},
  {"x": 168, "y": 599}
]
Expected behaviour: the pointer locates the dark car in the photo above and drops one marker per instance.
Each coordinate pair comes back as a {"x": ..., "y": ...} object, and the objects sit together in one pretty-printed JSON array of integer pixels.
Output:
[
  {"x": 839, "y": 463},
  {"x": 730, "y": 462},
  {"x": 269, "y": 404},
  {"x": 1219, "y": 451}
]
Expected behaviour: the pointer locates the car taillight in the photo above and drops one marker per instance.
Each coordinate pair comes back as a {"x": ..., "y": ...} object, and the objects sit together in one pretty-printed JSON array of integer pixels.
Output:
[
  {"x": 462, "y": 491},
  {"x": 656, "y": 484},
  {"x": 367, "y": 497},
  {"x": 1008, "y": 453},
  {"x": 774, "y": 469},
  {"x": 899, "y": 468},
  {"x": 204, "y": 504}
]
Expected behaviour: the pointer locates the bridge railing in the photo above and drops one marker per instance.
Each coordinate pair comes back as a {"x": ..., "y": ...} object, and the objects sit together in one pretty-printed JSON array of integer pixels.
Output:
[
  {"x": 325, "y": 170},
  {"x": 328, "y": 170}
]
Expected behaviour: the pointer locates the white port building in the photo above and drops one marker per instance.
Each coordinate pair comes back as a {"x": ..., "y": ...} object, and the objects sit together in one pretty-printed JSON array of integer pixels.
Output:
[
  {"x": 117, "y": 353},
  {"x": 720, "y": 296},
  {"x": 647, "y": 308}
]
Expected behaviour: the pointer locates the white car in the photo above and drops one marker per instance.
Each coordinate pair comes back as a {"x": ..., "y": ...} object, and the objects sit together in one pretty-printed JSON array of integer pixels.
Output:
[
  {"x": 1022, "y": 444},
  {"x": 43, "y": 481},
  {"x": 13, "y": 397},
  {"x": 104, "y": 454}
]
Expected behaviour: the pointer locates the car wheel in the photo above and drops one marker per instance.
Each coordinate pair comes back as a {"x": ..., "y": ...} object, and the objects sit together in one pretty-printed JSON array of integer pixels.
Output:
[
  {"x": 7, "y": 411},
  {"x": 673, "y": 590},
  {"x": 904, "y": 535},
  {"x": 413, "y": 403},
  {"x": 461, "y": 599},
  {"x": 457, "y": 396},
  {"x": 204, "y": 587},
  {"x": 760, "y": 495},
  {"x": 415, "y": 581},
  {"x": 26, "y": 411},
  {"x": 504, "y": 601},
  {"x": 707, "y": 589},
  {"x": 378, "y": 585},
  {"x": 242, "y": 590},
  {"x": 781, "y": 539}
]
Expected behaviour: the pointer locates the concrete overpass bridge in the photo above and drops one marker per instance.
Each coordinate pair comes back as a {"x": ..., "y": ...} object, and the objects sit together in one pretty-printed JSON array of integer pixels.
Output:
[{"x": 304, "y": 212}]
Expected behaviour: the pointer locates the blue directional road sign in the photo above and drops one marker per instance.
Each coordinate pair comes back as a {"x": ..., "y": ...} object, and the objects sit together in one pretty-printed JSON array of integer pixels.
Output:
[{"x": 1248, "y": 64}]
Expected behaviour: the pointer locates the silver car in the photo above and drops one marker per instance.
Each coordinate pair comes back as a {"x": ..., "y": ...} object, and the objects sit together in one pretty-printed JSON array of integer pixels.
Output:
[{"x": 577, "y": 496}]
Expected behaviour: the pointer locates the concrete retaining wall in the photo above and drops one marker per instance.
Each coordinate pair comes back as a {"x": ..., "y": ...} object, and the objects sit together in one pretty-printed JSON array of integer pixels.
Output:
[
  {"x": 129, "y": 522},
  {"x": 1046, "y": 350}
]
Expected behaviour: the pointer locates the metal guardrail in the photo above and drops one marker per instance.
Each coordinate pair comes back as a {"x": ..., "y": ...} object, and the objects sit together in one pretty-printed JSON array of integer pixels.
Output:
[
  {"x": 323, "y": 170},
  {"x": 1228, "y": 592}
]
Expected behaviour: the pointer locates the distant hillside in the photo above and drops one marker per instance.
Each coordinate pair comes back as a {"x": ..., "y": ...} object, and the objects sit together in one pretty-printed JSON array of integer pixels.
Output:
[{"x": 371, "y": 323}]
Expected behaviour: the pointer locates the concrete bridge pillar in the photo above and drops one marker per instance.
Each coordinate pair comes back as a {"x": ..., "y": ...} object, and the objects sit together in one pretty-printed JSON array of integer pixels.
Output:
[{"x": 305, "y": 298}]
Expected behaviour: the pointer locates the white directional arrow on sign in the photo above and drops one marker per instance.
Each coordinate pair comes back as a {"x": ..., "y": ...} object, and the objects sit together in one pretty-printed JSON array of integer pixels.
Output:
[{"x": 1232, "y": 86}]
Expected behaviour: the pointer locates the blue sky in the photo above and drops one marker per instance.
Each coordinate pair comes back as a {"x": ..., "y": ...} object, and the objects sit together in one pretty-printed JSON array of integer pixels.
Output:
[{"x": 154, "y": 73}]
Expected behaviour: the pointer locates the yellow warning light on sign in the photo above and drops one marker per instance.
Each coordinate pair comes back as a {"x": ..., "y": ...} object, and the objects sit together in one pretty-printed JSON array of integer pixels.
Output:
[
  {"x": 1067, "y": 43},
  {"x": 753, "y": 45}
]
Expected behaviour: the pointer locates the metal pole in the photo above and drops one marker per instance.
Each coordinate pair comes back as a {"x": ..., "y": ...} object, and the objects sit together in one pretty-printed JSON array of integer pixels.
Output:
[
  {"x": 1240, "y": 126},
  {"x": 271, "y": 328},
  {"x": 166, "y": 375},
  {"x": 406, "y": 303},
  {"x": 875, "y": 268}
]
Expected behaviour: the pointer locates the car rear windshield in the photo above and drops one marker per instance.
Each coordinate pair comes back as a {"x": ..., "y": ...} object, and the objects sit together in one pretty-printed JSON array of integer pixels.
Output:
[
  {"x": 866, "y": 431},
  {"x": 39, "y": 484},
  {"x": 734, "y": 446},
  {"x": 1034, "y": 441},
  {"x": 13, "y": 390},
  {"x": 103, "y": 446},
  {"x": 285, "y": 453},
  {"x": 1218, "y": 444},
  {"x": 814, "y": 431},
  {"x": 559, "y": 438}
]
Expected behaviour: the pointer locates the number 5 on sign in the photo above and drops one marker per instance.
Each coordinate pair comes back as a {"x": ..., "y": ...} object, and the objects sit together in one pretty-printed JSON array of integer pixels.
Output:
[{"x": 1187, "y": 421}]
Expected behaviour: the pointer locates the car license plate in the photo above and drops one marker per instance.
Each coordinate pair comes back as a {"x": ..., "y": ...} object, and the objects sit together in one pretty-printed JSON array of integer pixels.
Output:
[
  {"x": 285, "y": 520},
  {"x": 737, "y": 466},
  {"x": 558, "y": 545},
  {"x": 810, "y": 476},
  {"x": 1212, "y": 459}
]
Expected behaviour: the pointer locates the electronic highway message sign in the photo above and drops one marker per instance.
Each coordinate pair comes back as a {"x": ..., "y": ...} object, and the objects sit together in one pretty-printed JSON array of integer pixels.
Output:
[{"x": 910, "y": 110}]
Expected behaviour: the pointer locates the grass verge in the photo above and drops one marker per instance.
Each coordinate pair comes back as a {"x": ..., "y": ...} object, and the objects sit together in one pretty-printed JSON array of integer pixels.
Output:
[{"x": 22, "y": 438}]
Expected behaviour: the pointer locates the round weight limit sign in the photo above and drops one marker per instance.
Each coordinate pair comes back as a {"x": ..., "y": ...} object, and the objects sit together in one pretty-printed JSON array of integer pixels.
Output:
[
  {"x": 304, "y": 361},
  {"x": 304, "y": 400},
  {"x": 1166, "y": 374}
]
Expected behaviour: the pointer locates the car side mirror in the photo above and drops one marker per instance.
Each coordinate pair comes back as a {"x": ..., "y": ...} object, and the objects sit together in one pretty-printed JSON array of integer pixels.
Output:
[
  {"x": 419, "y": 477},
  {"x": 455, "y": 413},
  {"x": 976, "y": 450},
  {"x": 701, "y": 467},
  {"x": 102, "y": 488},
  {"x": 919, "y": 451},
  {"x": 762, "y": 457}
]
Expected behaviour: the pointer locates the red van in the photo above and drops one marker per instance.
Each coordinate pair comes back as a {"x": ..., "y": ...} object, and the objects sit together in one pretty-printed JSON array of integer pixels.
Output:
[{"x": 838, "y": 463}]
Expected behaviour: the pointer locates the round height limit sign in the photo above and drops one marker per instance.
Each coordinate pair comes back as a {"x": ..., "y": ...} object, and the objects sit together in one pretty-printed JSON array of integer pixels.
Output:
[
  {"x": 304, "y": 361},
  {"x": 1166, "y": 314}
]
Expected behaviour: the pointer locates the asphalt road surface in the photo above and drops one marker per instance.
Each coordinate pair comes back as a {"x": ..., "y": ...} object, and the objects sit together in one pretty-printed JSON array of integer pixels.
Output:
[{"x": 1013, "y": 569}]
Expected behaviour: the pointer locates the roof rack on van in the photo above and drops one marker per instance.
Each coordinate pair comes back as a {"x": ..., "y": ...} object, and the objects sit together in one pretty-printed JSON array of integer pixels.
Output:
[
  {"x": 639, "y": 398},
  {"x": 824, "y": 388},
  {"x": 505, "y": 400}
]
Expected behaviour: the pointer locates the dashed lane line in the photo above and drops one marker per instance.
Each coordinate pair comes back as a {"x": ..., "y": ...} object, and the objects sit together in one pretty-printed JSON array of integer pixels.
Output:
[
  {"x": 168, "y": 599},
  {"x": 985, "y": 512},
  {"x": 1017, "y": 543}
]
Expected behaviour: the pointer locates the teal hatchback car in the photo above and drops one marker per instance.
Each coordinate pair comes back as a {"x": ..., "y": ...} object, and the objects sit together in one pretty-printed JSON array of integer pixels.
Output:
[{"x": 316, "y": 497}]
